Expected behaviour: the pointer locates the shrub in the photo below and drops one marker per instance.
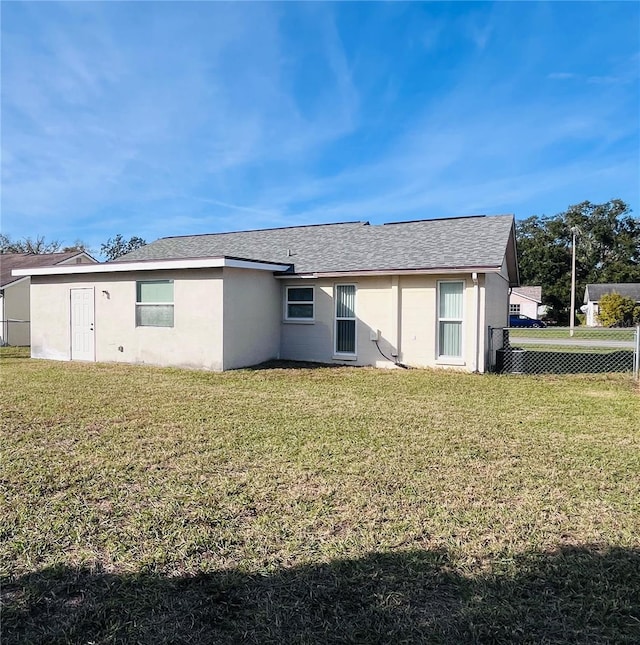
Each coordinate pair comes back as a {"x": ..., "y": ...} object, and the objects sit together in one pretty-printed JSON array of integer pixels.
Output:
[{"x": 618, "y": 311}]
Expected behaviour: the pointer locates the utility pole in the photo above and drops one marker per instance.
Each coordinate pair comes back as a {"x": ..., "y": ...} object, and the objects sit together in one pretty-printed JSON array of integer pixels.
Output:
[{"x": 572, "y": 312}]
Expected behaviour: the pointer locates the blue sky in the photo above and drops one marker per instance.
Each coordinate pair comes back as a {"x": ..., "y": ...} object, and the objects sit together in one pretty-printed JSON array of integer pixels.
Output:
[{"x": 170, "y": 118}]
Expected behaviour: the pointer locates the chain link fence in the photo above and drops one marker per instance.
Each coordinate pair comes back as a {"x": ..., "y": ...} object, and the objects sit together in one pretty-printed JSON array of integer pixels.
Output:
[
  {"x": 556, "y": 350},
  {"x": 14, "y": 332}
]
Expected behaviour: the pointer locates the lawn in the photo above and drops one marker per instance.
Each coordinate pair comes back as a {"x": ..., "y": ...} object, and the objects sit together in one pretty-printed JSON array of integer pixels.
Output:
[
  {"x": 579, "y": 333},
  {"x": 317, "y": 505}
]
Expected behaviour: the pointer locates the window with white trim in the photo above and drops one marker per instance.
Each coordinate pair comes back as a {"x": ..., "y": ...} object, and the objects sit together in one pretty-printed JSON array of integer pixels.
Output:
[
  {"x": 345, "y": 321},
  {"x": 450, "y": 313},
  {"x": 514, "y": 309},
  {"x": 154, "y": 303},
  {"x": 299, "y": 303}
]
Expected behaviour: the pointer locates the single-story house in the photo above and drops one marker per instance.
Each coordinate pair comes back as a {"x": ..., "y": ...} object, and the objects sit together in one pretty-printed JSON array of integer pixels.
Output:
[
  {"x": 594, "y": 292},
  {"x": 525, "y": 300},
  {"x": 421, "y": 293},
  {"x": 14, "y": 290}
]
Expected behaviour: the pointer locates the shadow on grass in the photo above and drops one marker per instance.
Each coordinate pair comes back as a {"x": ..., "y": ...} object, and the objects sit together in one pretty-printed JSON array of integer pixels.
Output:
[
  {"x": 278, "y": 364},
  {"x": 14, "y": 352},
  {"x": 580, "y": 595}
]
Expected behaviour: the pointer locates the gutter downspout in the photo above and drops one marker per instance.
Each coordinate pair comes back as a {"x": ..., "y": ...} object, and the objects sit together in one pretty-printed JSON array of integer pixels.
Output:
[
  {"x": 395, "y": 318},
  {"x": 476, "y": 338}
]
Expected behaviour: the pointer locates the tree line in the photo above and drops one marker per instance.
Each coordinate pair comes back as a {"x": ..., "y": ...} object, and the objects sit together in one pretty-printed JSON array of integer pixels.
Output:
[
  {"x": 113, "y": 248},
  {"x": 607, "y": 250}
]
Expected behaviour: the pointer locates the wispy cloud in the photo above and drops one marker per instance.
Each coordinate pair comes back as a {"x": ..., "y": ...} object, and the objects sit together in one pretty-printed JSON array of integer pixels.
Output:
[
  {"x": 606, "y": 80},
  {"x": 561, "y": 76},
  {"x": 96, "y": 128},
  {"x": 154, "y": 119}
]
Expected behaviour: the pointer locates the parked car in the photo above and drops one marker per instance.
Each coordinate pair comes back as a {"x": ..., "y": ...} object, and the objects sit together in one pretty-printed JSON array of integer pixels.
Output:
[{"x": 520, "y": 320}]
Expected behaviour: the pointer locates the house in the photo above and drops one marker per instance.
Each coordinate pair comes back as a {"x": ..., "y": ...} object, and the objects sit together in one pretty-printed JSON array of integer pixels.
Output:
[
  {"x": 525, "y": 300},
  {"x": 594, "y": 292},
  {"x": 14, "y": 290},
  {"x": 421, "y": 293}
]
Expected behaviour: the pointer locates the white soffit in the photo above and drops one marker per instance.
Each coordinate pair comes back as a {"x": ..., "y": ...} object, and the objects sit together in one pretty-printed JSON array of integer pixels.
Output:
[{"x": 153, "y": 265}]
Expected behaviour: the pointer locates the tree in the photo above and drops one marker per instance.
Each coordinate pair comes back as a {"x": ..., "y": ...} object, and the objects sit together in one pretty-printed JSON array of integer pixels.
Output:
[
  {"x": 117, "y": 246},
  {"x": 36, "y": 245},
  {"x": 607, "y": 250},
  {"x": 618, "y": 311},
  {"x": 78, "y": 245}
]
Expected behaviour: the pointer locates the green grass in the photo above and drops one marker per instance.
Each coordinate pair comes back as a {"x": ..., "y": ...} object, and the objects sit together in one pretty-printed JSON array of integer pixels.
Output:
[
  {"x": 567, "y": 349},
  {"x": 582, "y": 333},
  {"x": 317, "y": 505}
]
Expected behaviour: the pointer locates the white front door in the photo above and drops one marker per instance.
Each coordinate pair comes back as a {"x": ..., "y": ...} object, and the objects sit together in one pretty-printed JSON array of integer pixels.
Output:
[{"x": 82, "y": 324}]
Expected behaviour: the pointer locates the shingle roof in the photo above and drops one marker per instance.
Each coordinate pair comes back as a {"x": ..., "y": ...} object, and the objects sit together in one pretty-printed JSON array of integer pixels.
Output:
[
  {"x": 533, "y": 293},
  {"x": 10, "y": 261},
  {"x": 594, "y": 292},
  {"x": 477, "y": 241}
]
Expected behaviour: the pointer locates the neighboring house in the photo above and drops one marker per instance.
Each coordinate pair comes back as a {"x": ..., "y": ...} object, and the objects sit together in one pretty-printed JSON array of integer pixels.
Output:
[
  {"x": 420, "y": 293},
  {"x": 525, "y": 300},
  {"x": 594, "y": 292},
  {"x": 14, "y": 290}
]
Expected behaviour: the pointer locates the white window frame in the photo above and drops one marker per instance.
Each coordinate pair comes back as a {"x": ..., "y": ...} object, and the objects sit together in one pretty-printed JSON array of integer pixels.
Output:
[
  {"x": 336, "y": 353},
  {"x": 155, "y": 304},
  {"x": 288, "y": 302},
  {"x": 514, "y": 309},
  {"x": 447, "y": 358}
]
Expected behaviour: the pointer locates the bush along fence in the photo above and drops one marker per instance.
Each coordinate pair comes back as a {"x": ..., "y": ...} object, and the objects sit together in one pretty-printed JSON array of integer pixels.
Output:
[{"x": 558, "y": 350}]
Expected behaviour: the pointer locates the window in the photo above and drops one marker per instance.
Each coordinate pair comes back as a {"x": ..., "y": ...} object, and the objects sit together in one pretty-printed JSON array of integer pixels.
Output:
[
  {"x": 514, "y": 309},
  {"x": 345, "y": 331},
  {"x": 299, "y": 304},
  {"x": 450, "y": 297},
  {"x": 154, "y": 303}
]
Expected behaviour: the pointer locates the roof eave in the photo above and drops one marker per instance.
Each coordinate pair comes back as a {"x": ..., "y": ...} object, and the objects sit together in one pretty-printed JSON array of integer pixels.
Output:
[
  {"x": 384, "y": 272},
  {"x": 511, "y": 257},
  {"x": 78, "y": 254},
  {"x": 521, "y": 295},
  {"x": 152, "y": 265},
  {"x": 12, "y": 283}
]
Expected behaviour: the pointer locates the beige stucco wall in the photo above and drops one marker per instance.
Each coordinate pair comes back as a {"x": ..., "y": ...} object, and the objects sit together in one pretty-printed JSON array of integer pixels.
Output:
[
  {"x": 404, "y": 310},
  {"x": 419, "y": 322},
  {"x": 304, "y": 341},
  {"x": 252, "y": 305},
  {"x": 229, "y": 318},
  {"x": 194, "y": 341},
  {"x": 496, "y": 311},
  {"x": 15, "y": 328}
]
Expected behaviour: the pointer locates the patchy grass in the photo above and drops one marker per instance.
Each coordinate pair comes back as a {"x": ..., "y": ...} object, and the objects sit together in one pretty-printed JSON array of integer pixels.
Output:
[{"x": 317, "y": 505}]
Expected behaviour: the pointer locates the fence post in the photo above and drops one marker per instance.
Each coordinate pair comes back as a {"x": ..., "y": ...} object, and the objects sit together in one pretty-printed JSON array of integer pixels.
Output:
[
  {"x": 490, "y": 351},
  {"x": 636, "y": 355}
]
